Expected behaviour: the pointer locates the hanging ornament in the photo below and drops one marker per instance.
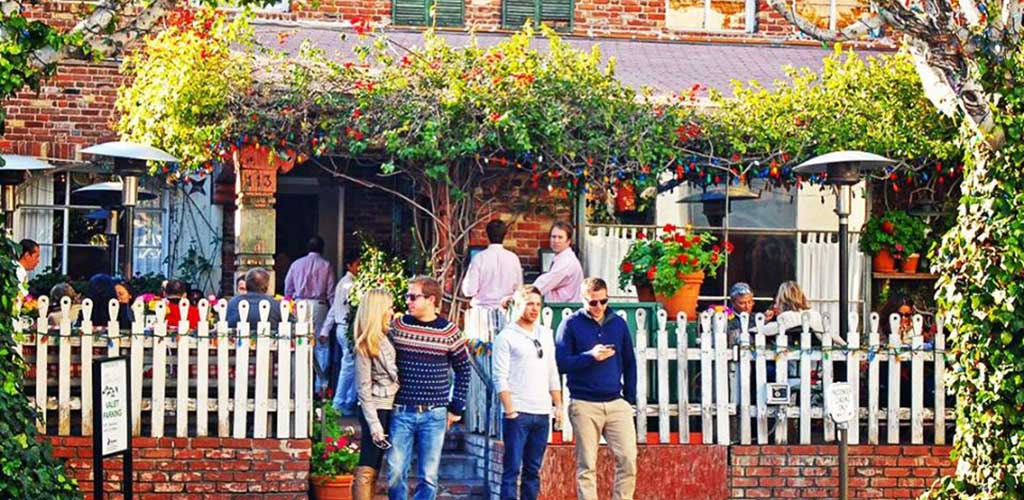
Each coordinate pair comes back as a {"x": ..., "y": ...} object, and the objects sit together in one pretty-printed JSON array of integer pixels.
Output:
[{"x": 625, "y": 198}]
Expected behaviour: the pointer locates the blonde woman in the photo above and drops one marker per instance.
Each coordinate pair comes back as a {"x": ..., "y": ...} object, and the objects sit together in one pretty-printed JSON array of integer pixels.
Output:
[
  {"x": 376, "y": 384},
  {"x": 790, "y": 307}
]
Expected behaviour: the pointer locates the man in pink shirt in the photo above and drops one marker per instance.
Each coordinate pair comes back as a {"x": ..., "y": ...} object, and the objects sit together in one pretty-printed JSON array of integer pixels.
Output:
[
  {"x": 311, "y": 279},
  {"x": 563, "y": 281},
  {"x": 494, "y": 273}
]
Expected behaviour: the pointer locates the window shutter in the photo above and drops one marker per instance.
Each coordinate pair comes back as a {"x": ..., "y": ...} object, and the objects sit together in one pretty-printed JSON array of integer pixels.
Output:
[
  {"x": 449, "y": 12},
  {"x": 409, "y": 12},
  {"x": 556, "y": 10},
  {"x": 516, "y": 12}
]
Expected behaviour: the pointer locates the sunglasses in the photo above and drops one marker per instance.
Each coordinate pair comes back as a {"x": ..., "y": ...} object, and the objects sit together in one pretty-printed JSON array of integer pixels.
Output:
[
  {"x": 906, "y": 315},
  {"x": 594, "y": 303},
  {"x": 536, "y": 345},
  {"x": 412, "y": 297}
]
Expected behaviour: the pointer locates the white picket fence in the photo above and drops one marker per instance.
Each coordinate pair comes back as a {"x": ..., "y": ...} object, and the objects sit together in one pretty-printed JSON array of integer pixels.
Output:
[
  {"x": 732, "y": 405},
  {"x": 211, "y": 393}
]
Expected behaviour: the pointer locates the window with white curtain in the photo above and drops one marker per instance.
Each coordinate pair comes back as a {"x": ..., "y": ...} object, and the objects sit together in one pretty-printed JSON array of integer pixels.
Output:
[{"x": 73, "y": 237}]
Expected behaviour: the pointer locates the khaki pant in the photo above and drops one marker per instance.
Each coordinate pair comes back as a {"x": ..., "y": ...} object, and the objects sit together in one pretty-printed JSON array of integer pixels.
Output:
[{"x": 614, "y": 421}]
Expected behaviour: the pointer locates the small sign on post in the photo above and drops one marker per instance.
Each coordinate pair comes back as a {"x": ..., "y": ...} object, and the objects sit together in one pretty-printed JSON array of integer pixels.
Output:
[
  {"x": 841, "y": 409},
  {"x": 112, "y": 420}
]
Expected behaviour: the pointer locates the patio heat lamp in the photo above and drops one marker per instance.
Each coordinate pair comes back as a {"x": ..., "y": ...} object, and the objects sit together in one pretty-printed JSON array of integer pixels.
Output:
[
  {"x": 109, "y": 197},
  {"x": 129, "y": 163},
  {"x": 14, "y": 172},
  {"x": 843, "y": 169},
  {"x": 718, "y": 202}
]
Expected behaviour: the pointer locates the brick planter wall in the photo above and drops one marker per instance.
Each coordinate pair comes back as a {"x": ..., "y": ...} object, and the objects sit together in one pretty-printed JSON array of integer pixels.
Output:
[
  {"x": 199, "y": 468},
  {"x": 892, "y": 472}
]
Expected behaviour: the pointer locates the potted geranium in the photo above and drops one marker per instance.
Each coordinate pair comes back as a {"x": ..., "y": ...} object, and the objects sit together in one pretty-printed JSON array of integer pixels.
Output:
[
  {"x": 895, "y": 235},
  {"x": 335, "y": 454},
  {"x": 673, "y": 264}
]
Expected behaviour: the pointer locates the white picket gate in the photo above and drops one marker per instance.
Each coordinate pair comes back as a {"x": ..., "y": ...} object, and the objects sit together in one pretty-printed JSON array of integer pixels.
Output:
[
  {"x": 730, "y": 404},
  {"x": 211, "y": 368}
]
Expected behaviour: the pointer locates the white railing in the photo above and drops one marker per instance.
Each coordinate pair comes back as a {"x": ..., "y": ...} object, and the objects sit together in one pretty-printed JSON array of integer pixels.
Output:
[
  {"x": 730, "y": 404},
  {"x": 203, "y": 379}
]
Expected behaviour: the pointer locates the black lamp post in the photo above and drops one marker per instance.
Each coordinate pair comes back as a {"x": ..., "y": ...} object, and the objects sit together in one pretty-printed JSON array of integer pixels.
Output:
[
  {"x": 14, "y": 172},
  {"x": 843, "y": 169},
  {"x": 130, "y": 163}
]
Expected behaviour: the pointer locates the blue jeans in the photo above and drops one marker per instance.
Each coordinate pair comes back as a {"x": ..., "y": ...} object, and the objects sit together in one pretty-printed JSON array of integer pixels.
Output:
[
  {"x": 345, "y": 392},
  {"x": 526, "y": 438},
  {"x": 421, "y": 433}
]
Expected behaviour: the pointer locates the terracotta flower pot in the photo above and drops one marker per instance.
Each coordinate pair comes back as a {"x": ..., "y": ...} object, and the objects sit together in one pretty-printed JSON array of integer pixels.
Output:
[
  {"x": 685, "y": 299},
  {"x": 332, "y": 487},
  {"x": 909, "y": 264},
  {"x": 883, "y": 262},
  {"x": 645, "y": 293}
]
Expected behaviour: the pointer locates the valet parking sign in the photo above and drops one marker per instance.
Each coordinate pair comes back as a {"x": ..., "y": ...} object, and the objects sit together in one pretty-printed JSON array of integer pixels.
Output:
[{"x": 112, "y": 423}]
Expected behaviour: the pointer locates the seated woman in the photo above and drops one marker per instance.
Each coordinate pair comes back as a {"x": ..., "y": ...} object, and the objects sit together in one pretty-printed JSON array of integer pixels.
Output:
[
  {"x": 789, "y": 309},
  {"x": 56, "y": 293}
]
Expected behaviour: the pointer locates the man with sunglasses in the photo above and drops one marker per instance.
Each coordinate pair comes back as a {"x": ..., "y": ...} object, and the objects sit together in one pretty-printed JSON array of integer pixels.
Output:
[
  {"x": 527, "y": 381},
  {"x": 427, "y": 348},
  {"x": 594, "y": 349}
]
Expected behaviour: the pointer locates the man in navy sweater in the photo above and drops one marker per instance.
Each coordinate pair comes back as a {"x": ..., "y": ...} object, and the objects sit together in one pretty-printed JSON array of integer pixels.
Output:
[
  {"x": 595, "y": 351},
  {"x": 427, "y": 348}
]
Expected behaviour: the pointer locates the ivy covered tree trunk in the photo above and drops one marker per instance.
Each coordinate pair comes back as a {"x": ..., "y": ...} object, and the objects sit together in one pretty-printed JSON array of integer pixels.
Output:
[{"x": 27, "y": 466}]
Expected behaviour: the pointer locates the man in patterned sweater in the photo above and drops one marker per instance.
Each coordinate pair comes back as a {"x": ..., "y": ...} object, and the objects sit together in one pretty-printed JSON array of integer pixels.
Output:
[{"x": 427, "y": 348}]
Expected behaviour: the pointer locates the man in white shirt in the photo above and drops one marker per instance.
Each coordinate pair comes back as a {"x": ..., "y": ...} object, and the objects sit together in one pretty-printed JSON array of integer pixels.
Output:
[
  {"x": 337, "y": 322},
  {"x": 526, "y": 378},
  {"x": 562, "y": 282},
  {"x": 27, "y": 261}
]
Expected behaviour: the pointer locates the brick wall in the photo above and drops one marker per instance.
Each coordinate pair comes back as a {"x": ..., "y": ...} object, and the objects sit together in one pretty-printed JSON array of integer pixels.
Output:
[
  {"x": 198, "y": 468},
  {"x": 888, "y": 472}
]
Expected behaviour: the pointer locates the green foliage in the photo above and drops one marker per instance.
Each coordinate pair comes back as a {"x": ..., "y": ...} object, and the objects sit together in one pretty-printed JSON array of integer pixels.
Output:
[
  {"x": 194, "y": 266},
  {"x": 663, "y": 261},
  {"x": 335, "y": 449},
  {"x": 873, "y": 104},
  {"x": 896, "y": 231},
  {"x": 377, "y": 269},
  {"x": 146, "y": 283},
  {"x": 27, "y": 466},
  {"x": 194, "y": 57},
  {"x": 981, "y": 262}
]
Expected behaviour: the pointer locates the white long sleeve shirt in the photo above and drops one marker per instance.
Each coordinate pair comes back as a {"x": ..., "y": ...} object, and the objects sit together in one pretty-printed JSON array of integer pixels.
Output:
[{"x": 518, "y": 368}]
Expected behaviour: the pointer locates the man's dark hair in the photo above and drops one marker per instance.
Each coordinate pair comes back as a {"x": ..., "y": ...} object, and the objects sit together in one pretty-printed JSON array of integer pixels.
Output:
[
  {"x": 496, "y": 231},
  {"x": 351, "y": 256},
  {"x": 564, "y": 226},
  {"x": 315, "y": 244},
  {"x": 257, "y": 280},
  {"x": 28, "y": 247},
  {"x": 176, "y": 288}
]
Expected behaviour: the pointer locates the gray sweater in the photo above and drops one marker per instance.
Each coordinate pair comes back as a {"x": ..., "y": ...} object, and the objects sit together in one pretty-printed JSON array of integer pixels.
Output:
[{"x": 377, "y": 383}]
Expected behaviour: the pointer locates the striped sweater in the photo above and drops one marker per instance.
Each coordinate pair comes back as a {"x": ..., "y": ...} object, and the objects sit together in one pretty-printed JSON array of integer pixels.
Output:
[{"x": 425, "y": 354}]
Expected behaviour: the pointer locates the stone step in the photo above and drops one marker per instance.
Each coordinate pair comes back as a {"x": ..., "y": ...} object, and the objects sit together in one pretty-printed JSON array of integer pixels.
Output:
[{"x": 448, "y": 490}]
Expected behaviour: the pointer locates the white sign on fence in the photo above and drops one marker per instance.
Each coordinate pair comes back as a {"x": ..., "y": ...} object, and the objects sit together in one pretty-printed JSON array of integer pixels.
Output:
[
  {"x": 114, "y": 405},
  {"x": 839, "y": 402}
]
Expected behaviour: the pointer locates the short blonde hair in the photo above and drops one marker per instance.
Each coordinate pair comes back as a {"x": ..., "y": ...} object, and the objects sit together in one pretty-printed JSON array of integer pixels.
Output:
[
  {"x": 791, "y": 297},
  {"x": 373, "y": 318}
]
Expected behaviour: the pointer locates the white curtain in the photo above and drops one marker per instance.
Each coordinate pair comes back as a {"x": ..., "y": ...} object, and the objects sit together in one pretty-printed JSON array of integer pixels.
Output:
[
  {"x": 33, "y": 223},
  {"x": 605, "y": 248},
  {"x": 818, "y": 274}
]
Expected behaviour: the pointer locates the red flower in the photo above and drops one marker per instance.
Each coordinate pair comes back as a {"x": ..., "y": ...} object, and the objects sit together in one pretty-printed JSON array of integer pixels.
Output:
[
  {"x": 669, "y": 228},
  {"x": 714, "y": 258},
  {"x": 495, "y": 117},
  {"x": 680, "y": 238},
  {"x": 716, "y": 249},
  {"x": 651, "y": 272},
  {"x": 627, "y": 267},
  {"x": 342, "y": 441},
  {"x": 888, "y": 227},
  {"x": 686, "y": 243},
  {"x": 641, "y": 235},
  {"x": 729, "y": 247}
]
